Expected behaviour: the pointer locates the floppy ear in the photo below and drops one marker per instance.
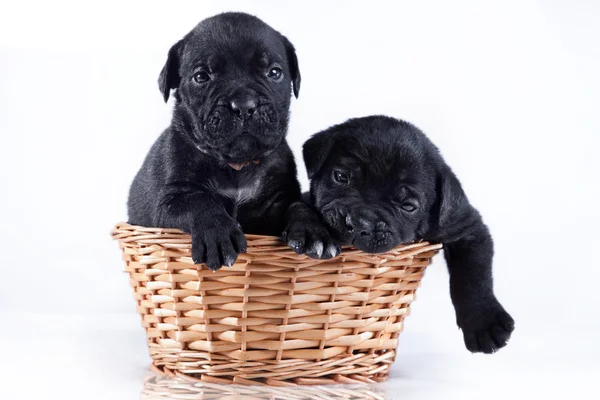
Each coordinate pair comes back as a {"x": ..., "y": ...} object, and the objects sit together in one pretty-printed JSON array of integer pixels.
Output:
[
  {"x": 169, "y": 76},
  {"x": 293, "y": 63},
  {"x": 316, "y": 150},
  {"x": 456, "y": 216}
]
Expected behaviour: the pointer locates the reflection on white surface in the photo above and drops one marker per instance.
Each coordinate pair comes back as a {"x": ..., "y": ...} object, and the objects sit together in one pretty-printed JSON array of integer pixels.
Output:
[{"x": 157, "y": 387}]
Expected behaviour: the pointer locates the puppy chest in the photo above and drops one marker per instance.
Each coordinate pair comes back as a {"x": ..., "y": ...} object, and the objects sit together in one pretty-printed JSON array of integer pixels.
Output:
[{"x": 241, "y": 193}]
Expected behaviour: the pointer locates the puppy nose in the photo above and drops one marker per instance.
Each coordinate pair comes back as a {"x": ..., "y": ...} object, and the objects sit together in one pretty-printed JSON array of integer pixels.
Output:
[
  {"x": 365, "y": 227},
  {"x": 360, "y": 225},
  {"x": 243, "y": 107}
]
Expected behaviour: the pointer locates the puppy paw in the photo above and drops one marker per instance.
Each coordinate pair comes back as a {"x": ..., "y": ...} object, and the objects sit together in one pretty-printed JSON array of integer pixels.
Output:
[
  {"x": 311, "y": 238},
  {"x": 217, "y": 242},
  {"x": 486, "y": 329}
]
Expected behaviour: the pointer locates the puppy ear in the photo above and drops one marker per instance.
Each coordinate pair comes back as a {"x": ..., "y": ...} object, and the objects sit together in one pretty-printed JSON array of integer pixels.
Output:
[
  {"x": 293, "y": 64},
  {"x": 316, "y": 150},
  {"x": 169, "y": 75},
  {"x": 456, "y": 216}
]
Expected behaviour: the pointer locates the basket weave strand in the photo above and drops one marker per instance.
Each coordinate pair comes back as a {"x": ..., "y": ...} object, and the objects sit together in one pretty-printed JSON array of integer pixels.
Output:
[{"x": 274, "y": 317}]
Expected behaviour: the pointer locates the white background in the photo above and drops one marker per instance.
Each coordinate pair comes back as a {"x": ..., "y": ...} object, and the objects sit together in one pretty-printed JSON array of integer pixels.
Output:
[{"x": 508, "y": 90}]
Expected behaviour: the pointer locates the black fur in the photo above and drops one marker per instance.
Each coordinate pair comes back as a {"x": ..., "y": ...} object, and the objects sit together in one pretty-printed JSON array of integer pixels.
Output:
[
  {"x": 223, "y": 166},
  {"x": 392, "y": 167}
]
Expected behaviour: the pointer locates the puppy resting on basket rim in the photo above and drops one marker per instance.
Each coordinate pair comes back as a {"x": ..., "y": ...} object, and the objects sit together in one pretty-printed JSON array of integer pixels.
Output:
[
  {"x": 223, "y": 166},
  {"x": 378, "y": 182}
]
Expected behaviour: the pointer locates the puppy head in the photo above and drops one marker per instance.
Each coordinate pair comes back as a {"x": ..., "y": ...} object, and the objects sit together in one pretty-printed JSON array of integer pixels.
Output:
[
  {"x": 233, "y": 76},
  {"x": 377, "y": 183}
]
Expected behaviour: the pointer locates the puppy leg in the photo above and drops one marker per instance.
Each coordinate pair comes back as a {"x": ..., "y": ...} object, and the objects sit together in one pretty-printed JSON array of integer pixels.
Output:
[
  {"x": 306, "y": 234},
  {"x": 469, "y": 249},
  {"x": 217, "y": 238},
  {"x": 485, "y": 324}
]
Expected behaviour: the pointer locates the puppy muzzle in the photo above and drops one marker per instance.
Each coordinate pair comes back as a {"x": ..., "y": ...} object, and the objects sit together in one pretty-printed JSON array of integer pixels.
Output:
[
  {"x": 243, "y": 133},
  {"x": 360, "y": 227}
]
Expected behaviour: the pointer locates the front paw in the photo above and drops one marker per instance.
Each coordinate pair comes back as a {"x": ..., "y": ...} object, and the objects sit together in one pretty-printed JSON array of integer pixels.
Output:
[
  {"x": 311, "y": 238},
  {"x": 486, "y": 328},
  {"x": 217, "y": 242}
]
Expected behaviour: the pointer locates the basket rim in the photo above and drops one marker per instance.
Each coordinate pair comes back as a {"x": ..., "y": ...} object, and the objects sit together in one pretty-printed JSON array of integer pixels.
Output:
[
  {"x": 122, "y": 231},
  {"x": 126, "y": 226}
]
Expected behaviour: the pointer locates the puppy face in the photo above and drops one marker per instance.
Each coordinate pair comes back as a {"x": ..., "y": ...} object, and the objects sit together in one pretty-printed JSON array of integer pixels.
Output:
[
  {"x": 234, "y": 75},
  {"x": 374, "y": 181}
]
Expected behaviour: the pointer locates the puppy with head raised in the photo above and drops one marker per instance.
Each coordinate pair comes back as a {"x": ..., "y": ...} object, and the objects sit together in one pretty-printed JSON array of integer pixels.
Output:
[
  {"x": 379, "y": 182},
  {"x": 223, "y": 166}
]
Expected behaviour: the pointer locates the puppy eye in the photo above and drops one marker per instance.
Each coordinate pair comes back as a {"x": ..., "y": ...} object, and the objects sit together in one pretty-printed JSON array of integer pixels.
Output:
[
  {"x": 275, "y": 73},
  {"x": 408, "y": 206},
  {"x": 341, "y": 177},
  {"x": 201, "y": 77}
]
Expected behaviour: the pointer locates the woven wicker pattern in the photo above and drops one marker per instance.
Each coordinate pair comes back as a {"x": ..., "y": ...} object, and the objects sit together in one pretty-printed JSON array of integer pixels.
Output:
[
  {"x": 274, "y": 317},
  {"x": 167, "y": 388}
]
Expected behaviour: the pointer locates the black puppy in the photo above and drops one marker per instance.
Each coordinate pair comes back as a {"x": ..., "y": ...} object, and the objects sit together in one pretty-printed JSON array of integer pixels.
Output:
[
  {"x": 379, "y": 182},
  {"x": 223, "y": 165}
]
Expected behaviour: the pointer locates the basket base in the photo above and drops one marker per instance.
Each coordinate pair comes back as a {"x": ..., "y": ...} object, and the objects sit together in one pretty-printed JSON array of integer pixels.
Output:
[{"x": 344, "y": 369}]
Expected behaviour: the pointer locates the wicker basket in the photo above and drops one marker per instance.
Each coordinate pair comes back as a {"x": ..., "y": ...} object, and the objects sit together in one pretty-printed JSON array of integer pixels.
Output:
[{"x": 274, "y": 317}]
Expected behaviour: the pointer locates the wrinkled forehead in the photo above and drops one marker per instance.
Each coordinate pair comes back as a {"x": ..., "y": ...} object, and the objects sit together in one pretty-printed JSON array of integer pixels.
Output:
[
  {"x": 380, "y": 164},
  {"x": 227, "y": 44}
]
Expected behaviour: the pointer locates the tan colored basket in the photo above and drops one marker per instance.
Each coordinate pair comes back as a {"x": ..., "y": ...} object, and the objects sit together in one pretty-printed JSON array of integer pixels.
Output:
[{"x": 274, "y": 317}]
